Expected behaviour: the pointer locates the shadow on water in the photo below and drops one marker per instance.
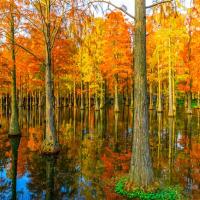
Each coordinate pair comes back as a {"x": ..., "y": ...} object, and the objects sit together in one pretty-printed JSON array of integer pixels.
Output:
[
  {"x": 14, "y": 142},
  {"x": 95, "y": 148}
]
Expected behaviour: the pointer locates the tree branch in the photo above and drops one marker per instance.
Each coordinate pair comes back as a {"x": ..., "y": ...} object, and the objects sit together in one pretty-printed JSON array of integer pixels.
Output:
[
  {"x": 159, "y": 3},
  {"x": 30, "y": 52},
  {"x": 113, "y": 5}
]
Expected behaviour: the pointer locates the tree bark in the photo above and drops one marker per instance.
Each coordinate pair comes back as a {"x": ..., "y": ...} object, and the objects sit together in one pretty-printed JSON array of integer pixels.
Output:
[
  {"x": 132, "y": 97},
  {"x": 74, "y": 94},
  {"x": 96, "y": 102},
  {"x": 102, "y": 97},
  {"x": 50, "y": 144},
  {"x": 87, "y": 96},
  {"x": 150, "y": 97},
  {"x": 116, "y": 103},
  {"x": 171, "y": 112},
  {"x": 159, "y": 108},
  {"x": 127, "y": 99},
  {"x": 82, "y": 97},
  {"x": 14, "y": 124},
  {"x": 189, "y": 104},
  {"x": 141, "y": 172}
]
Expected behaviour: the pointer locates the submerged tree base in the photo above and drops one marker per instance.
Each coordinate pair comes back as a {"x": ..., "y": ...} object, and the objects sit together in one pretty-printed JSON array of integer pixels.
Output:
[
  {"x": 10, "y": 133},
  {"x": 154, "y": 193},
  {"x": 13, "y": 132},
  {"x": 159, "y": 110},
  {"x": 14, "y": 128},
  {"x": 49, "y": 148},
  {"x": 189, "y": 112}
]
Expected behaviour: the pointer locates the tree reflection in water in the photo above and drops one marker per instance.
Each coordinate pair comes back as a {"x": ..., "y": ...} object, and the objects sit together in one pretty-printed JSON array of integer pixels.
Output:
[{"x": 96, "y": 149}]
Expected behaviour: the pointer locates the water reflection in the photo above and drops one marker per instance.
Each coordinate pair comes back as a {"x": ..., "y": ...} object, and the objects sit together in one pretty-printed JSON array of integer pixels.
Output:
[
  {"x": 50, "y": 172},
  {"x": 96, "y": 147},
  {"x": 14, "y": 142}
]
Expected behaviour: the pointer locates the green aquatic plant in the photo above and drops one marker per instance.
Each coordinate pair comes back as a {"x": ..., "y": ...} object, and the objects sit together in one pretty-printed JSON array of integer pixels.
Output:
[{"x": 167, "y": 193}]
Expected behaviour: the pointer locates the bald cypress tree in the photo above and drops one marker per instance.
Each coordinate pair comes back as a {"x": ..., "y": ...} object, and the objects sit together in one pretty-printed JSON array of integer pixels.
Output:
[{"x": 141, "y": 172}]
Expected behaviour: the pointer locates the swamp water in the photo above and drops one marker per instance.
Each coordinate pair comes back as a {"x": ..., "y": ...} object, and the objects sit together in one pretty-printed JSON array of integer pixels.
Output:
[{"x": 95, "y": 149}]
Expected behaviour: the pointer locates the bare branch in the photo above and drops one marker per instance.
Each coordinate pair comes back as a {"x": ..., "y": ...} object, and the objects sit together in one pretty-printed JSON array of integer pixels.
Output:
[
  {"x": 29, "y": 51},
  {"x": 159, "y": 3},
  {"x": 113, "y": 5}
]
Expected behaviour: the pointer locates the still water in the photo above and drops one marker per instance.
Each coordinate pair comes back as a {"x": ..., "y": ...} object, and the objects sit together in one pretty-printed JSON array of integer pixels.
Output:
[{"x": 95, "y": 151}]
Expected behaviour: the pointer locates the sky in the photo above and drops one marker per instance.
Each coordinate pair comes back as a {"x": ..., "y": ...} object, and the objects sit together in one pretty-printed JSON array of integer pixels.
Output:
[{"x": 130, "y": 4}]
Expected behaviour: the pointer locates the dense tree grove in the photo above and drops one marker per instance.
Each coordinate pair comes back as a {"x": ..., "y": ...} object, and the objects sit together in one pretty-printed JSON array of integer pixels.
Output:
[{"x": 57, "y": 54}]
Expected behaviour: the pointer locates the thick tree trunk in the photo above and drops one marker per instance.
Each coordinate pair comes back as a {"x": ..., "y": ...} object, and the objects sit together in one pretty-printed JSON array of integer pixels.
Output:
[
  {"x": 50, "y": 144},
  {"x": 141, "y": 172},
  {"x": 14, "y": 124}
]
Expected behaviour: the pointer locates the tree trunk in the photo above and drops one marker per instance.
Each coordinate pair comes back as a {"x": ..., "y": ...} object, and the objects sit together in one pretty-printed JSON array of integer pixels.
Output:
[
  {"x": 132, "y": 98},
  {"x": 159, "y": 137},
  {"x": 116, "y": 141},
  {"x": 82, "y": 97},
  {"x": 89, "y": 96},
  {"x": 96, "y": 102},
  {"x": 102, "y": 102},
  {"x": 171, "y": 112},
  {"x": 174, "y": 94},
  {"x": 50, "y": 144},
  {"x": 116, "y": 103},
  {"x": 14, "y": 124},
  {"x": 74, "y": 94},
  {"x": 150, "y": 97},
  {"x": 186, "y": 101},
  {"x": 127, "y": 99},
  {"x": 189, "y": 104},
  {"x": 86, "y": 98},
  {"x": 70, "y": 98},
  {"x": 159, "y": 108},
  {"x": 141, "y": 172}
]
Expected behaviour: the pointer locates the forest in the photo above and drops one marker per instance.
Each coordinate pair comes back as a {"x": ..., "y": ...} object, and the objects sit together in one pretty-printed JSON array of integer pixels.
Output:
[{"x": 99, "y": 102}]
